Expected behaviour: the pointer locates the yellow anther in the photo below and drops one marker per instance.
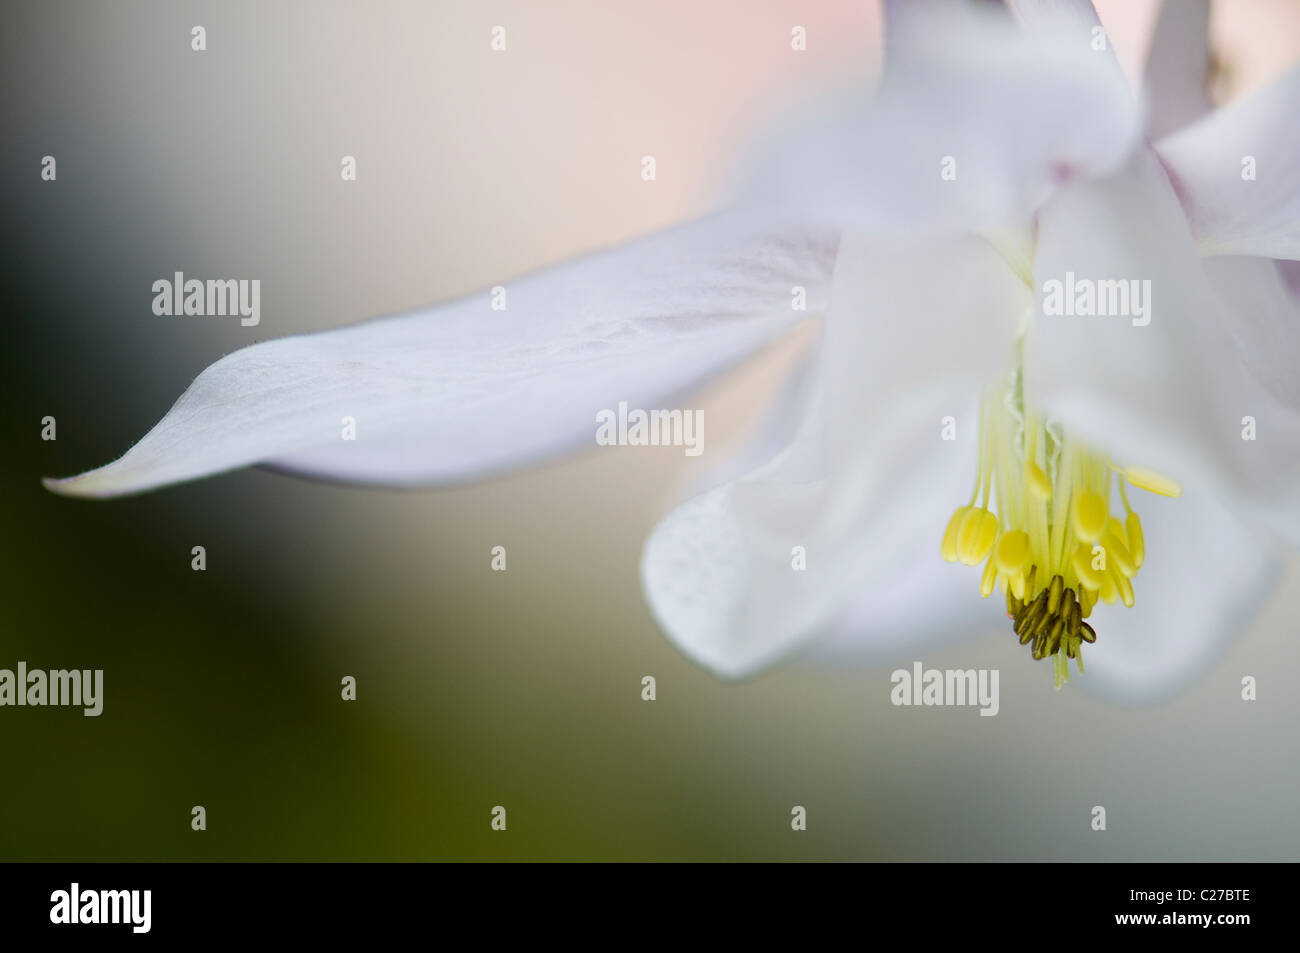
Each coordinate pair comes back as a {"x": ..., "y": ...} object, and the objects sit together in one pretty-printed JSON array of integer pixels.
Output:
[
  {"x": 976, "y": 535},
  {"x": 1153, "y": 482},
  {"x": 1052, "y": 547},
  {"x": 1125, "y": 587},
  {"x": 1113, "y": 525},
  {"x": 1012, "y": 552},
  {"x": 1087, "y": 599},
  {"x": 1117, "y": 554},
  {"x": 1136, "y": 544},
  {"x": 948, "y": 548},
  {"x": 989, "y": 578},
  {"x": 1088, "y": 515},
  {"x": 1039, "y": 485},
  {"x": 1109, "y": 592},
  {"x": 1082, "y": 561}
]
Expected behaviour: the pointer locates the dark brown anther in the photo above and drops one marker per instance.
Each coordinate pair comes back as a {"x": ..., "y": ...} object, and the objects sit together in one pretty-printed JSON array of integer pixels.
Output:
[
  {"x": 1051, "y": 621},
  {"x": 1025, "y": 620},
  {"x": 1043, "y": 624},
  {"x": 1054, "y": 637},
  {"x": 1054, "y": 591},
  {"x": 1074, "y": 620}
]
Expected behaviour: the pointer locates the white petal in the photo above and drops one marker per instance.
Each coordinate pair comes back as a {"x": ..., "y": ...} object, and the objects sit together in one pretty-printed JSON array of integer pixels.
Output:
[
  {"x": 460, "y": 390},
  {"x": 1171, "y": 395},
  {"x": 1289, "y": 269},
  {"x": 868, "y": 485},
  {"x": 776, "y": 429},
  {"x": 1205, "y": 577},
  {"x": 1077, "y": 18},
  {"x": 911, "y": 23},
  {"x": 1178, "y": 66},
  {"x": 1259, "y": 135},
  {"x": 1070, "y": 24},
  {"x": 920, "y": 603},
  {"x": 974, "y": 125},
  {"x": 1265, "y": 320}
]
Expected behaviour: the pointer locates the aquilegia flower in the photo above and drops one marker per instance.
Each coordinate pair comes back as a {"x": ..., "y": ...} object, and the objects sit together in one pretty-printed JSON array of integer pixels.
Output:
[{"x": 1002, "y": 157}]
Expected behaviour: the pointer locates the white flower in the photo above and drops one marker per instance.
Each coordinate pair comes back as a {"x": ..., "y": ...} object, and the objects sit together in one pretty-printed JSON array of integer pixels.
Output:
[{"x": 929, "y": 287}]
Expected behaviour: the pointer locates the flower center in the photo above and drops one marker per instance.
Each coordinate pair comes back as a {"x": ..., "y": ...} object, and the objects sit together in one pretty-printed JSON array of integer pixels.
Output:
[{"x": 1053, "y": 545}]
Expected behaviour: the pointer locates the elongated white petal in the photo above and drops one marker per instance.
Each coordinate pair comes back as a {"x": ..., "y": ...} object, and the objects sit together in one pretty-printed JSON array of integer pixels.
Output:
[
  {"x": 1205, "y": 391},
  {"x": 1178, "y": 66},
  {"x": 1289, "y": 272},
  {"x": 1237, "y": 172},
  {"x": 1265, "y": 316},
  {"x": 776, "y": 429},
  {"x": 867, "y": 487},
  {"x": 921, "y": 603},
  {"x": 912, "y": 23},
  {"x": 1205, "y": 577},
  {"x": 1070, "y": 25},
  {"x": 460, "y": 390},
  {"x": 974, "y": 125},
  {"x": 1077, "y": 18}
]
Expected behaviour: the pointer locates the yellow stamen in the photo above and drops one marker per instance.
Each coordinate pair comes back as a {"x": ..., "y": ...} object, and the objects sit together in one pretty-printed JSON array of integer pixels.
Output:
[
  {"x": 1013, "y": 552},
  {"x": 975, "y": 535},
  {"x": 1088, "y": 515},
  {"x": 1116, "y": 546},
  {"x": 1087, "y": 601},
  {"x": 1136, "y": 543},
  {"x": 948, "y": 548},
  {"x": 1153, "y": 482},
  {"x": 1053, "y": 546},
  {"x": 1039, "y": 485},
  {"x": 1083, "y": 565},
  {"x": 1125, "y": 587},
  {"x": 990, "y": 577}
]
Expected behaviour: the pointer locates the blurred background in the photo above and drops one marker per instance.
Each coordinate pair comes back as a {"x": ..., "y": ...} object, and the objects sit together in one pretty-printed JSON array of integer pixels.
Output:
[{"x": 475, "y": 688}]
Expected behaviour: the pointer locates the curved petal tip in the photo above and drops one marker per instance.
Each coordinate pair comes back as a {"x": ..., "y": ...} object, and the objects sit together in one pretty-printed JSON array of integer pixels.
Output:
[{"x": 93, "y": 484}]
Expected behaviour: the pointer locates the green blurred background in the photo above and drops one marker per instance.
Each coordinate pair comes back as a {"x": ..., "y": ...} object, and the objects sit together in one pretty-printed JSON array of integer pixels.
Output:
[{"x": 476, "y": 688}]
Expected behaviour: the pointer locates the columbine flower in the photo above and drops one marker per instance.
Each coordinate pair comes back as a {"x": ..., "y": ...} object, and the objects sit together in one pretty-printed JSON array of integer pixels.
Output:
[{"x": 928, "y": 284}]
